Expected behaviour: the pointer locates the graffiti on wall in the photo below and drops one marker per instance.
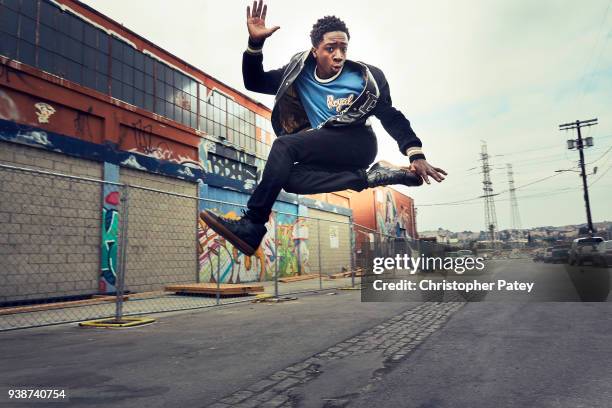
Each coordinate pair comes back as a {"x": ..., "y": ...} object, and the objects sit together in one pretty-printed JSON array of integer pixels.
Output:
[
  {"x": 82, "y": 125},
  {"x": 227, "y": 162},
  {"x": 108, "y": 255},
  {"x": 288, "y": 251},
  {"x": 393, "y": 216},
  {"x": 8, "y": 107},
  {"x": 139, "y": 137},
  {"x": 57, "y": 117},
  {"x": 43, "y": 112},
  {"x": 233, "y": 169},
  {"x": 220, "y": 261}
]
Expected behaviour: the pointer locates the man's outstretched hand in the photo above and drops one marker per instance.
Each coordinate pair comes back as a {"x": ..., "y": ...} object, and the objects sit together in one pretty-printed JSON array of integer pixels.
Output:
[
  {"x": 425, "y": 170},
  {"x": 256, "y": 22}
]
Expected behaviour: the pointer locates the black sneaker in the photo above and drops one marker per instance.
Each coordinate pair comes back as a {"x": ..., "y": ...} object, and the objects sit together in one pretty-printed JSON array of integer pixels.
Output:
[
  {"x": 384, "y": 173},
  {"x": 244, "y": 234}
]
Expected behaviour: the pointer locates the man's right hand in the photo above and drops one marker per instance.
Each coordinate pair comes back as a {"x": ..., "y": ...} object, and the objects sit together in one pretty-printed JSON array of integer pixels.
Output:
[{"x": 256, "y": 22}]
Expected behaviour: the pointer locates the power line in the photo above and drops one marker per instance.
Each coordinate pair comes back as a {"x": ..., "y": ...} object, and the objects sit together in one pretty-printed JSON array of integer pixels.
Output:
[
  {"x": 533, "y": 182},
  {"x": 484, "y": 196},
  {"x": 600, "y": 177},
  {"x": 547, "y": 193},
  {"x": 590, "y": 71},
  {"x": 602, "y": 156}
]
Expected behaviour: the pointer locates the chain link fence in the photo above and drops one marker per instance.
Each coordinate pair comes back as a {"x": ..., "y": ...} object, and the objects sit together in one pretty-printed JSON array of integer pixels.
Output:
[
  {"x": 50, "y": 249},
  {"x": 76, "y": 248}
]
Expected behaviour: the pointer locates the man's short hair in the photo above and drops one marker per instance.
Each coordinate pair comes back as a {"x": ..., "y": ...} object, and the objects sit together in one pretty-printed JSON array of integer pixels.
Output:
[{"x": 325, "y": 25}]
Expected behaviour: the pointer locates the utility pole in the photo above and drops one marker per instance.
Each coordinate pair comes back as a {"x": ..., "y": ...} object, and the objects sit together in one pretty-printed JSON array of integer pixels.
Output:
[
  {"x": 487, "y": 187},
  {"x": 580, "y": 145}
]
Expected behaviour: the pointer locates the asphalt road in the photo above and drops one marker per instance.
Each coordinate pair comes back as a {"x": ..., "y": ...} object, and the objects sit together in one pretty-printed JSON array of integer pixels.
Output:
[
  {"x": 327, "y": 350},
  {"x": 507, "y": 355}
]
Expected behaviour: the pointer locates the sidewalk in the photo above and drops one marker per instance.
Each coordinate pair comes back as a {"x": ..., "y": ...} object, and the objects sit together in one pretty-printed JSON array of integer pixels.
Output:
[{"x": 161, "y": 302}]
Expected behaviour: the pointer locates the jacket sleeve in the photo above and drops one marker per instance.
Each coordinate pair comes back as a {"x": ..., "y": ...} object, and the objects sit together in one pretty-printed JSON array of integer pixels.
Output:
[
  {"x": 253, "y": 74},
  {"x": 394, "y": 121}
]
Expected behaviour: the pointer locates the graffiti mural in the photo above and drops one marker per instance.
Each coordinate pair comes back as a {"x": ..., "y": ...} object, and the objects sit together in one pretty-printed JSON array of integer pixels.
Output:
[
  {"x": 288, "y": 252},
  {"x": 300, "y": 240},
  {"x": 43, "y": 112},
  {"x": 140, "y": 138},
  {"x": 8, "y": 107},
  {"x": 228, "y": 163},
  {"x": 110, "y": 230},
  {"x": 394, "y": 213},
  {"x": 233, "y": 169},
  {"x": 108, "y": 255},
  {"x": 220, "y": 261}
]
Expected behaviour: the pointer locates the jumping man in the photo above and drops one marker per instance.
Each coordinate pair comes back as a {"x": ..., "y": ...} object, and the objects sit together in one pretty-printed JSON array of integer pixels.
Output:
[{"x": 321, "y": 116}]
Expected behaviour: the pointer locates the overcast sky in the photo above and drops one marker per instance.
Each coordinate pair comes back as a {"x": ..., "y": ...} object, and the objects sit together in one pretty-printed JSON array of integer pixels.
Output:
[{"x": 507, "y": 72}]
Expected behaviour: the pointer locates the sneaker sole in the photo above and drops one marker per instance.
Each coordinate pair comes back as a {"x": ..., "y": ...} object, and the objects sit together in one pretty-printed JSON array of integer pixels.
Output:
[{"x": 212, "y": 222}]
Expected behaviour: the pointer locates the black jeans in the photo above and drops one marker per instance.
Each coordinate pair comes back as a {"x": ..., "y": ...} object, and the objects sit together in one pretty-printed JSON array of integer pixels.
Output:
[{"x": 311, "y": 162}]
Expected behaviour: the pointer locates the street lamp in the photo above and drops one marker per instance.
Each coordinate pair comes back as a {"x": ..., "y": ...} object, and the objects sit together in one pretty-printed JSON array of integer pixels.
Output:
[{"x": 577, "y": 171}]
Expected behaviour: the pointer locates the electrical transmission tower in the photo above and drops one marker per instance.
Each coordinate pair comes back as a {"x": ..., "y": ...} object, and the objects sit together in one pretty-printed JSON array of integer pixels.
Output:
[
  {"x": 515, "y": 216},
  {"x": 487, "y": 187}
]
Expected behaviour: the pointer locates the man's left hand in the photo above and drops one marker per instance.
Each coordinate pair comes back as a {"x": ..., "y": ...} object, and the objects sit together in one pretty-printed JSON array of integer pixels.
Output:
[{"x": 424, "y": 169}]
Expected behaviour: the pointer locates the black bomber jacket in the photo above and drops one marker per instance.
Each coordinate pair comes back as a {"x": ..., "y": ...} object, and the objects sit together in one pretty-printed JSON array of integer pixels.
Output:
[{"x": 288, "y": 115}]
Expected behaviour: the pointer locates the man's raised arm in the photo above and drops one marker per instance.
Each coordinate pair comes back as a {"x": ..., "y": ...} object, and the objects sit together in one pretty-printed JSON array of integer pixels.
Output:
[{"x": 253, "y": 74}]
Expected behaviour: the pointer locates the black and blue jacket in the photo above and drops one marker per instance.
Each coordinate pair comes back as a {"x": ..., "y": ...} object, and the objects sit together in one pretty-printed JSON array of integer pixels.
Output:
[{"x": 289, "y": 116}]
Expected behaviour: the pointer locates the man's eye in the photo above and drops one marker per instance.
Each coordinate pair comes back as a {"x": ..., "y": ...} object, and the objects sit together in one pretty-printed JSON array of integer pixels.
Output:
[{"x": 330, "y": 49}]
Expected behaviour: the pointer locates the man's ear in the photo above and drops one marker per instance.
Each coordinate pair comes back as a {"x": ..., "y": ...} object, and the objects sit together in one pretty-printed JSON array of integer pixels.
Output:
[{"x": 314, "y": 52}]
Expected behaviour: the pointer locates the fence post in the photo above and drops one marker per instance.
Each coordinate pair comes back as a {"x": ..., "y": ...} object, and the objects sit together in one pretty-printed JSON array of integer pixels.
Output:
[
  {"x": 218, "y": 272},
  {"x": 277, "y": 256},
  {"x": 197, "y": 242},
  {"x": 120, "y": 281},
  {"x": 319, "y": 253},
  {"x": 352, "y": 249}
]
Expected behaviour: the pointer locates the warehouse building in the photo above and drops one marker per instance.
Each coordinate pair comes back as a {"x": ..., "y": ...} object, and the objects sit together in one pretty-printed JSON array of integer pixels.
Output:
[{"x": 84, "y": 97}]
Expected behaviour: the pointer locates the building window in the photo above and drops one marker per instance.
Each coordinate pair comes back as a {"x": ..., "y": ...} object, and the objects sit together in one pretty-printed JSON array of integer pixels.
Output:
[{"x": 72, "y": 48}]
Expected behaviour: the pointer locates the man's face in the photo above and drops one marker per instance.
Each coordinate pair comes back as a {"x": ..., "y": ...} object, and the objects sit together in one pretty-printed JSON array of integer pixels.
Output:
[{"x": 331, "y": 53}]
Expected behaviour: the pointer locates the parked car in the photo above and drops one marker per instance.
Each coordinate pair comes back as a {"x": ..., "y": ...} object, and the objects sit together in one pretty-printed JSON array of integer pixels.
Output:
[
  {"x": 548, "y": 255},
  {"x": 560, "y": 255},
  {"x": 538, "y": 255},
  {"x": 583, "y": 249},
  {"x": 603, "y": 255}
]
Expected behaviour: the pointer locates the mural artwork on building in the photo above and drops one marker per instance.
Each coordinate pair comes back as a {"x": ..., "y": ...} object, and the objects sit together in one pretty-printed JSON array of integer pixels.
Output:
[
  {"x": 226, "y": 162},
  {"x": 219, "y": 260},
  {"x": 108, "y": 257},
  {"x": 139, "y": 138},
  {"x": 217, "y": 257},
  {"x": 44, "y": 112},
  {"x": 392, "y": 217}
]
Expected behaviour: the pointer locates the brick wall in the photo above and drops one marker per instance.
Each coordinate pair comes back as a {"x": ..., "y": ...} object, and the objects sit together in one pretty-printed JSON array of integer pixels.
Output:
[
  {"x": 161, "y": 232},
  {"x": 328, "y": 230},
  {"x": 49, "y": 225}
]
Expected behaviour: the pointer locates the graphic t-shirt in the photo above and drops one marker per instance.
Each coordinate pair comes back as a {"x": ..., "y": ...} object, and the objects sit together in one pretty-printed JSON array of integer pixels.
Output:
[{"x": 324, "y": 98}]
